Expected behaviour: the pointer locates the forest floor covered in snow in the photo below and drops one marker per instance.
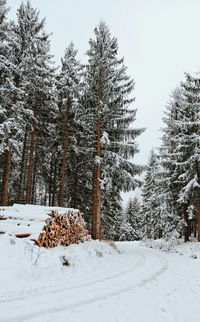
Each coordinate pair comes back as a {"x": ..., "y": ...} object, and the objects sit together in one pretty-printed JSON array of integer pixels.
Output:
[{"x": 101, "y": 281}]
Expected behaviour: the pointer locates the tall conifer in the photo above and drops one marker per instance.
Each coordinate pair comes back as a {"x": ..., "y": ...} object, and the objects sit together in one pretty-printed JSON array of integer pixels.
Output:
[{"x": 109, "y": 117}]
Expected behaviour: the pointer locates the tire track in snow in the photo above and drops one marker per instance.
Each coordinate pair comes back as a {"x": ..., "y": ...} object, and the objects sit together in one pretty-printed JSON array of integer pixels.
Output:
[
  {"x": 149, "y": 266},
  {"x": 81, "y": 283}
]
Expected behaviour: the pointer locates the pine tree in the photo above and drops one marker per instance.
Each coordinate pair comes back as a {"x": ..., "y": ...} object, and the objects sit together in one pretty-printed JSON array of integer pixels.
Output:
[
  {"x": 109, "y": 116},
  {"x": 170, "y": 185},
  {"x": 12, "y": 111},
  {"x": 69, "y": 90},
  {"x": 188, "y": 150},
  {"x": 4, "y": 62},
  {"x": 151, "y": 201},
  {"x": 189, "y": 147},
  {"x": 135, "y": 218},
  {"x": 79, "y": 171},
  {"x": 181, "y": 159},
  {"x": 37, "y": 81},
  {"x": 132, "y": 224}
]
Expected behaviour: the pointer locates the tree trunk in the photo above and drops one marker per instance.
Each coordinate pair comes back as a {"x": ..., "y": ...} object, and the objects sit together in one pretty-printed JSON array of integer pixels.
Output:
[
  {"x": 45, "y": 196},
  {"x": 63, "y": 168},
  {"x": 33, "y": 185},
  {"x": 22, "y": 174},
  {"x": 74, "y": 202},
  {"x": 195, "y": 229},
  {"x": 185, "y": 216},
  {"x": 53, "y": 201},
  {"x": 198, "y": 220},
  {"x": 5, "y": 178},
  {"x": 50, "y": 180},
  {"x": 30, "y": 165},
  {"x": 64, "y": 156},
  {"x": 96, "y": 193}
]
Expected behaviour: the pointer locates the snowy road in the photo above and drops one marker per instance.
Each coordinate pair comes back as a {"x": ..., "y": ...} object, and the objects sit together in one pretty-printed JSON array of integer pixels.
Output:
[{"x": 141, "y": 285}]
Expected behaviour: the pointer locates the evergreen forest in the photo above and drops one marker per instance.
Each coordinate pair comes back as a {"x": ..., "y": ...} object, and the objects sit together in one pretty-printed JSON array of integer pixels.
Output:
[{"x": 68, "y": 137}]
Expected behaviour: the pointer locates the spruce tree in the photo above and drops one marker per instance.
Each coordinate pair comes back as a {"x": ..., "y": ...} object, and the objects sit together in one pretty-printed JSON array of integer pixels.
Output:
[
  {"x": 109, "y": 116},
  {"x": 181, "y": 152},
  {"x": 4, "y": 88},
  {"x": 68, "y": 90},
  {"x": 37, "y": 81},
  {"x": 170, "y": 185},
  {"x": 135, "y": 217},
  {"x": 132, "y": 224},
  {"x": 190, "y": 148},
  {"x": 188, "y": 151},
  {"x": 12, "y": 111},
  {"x": 151, "y": 201}
]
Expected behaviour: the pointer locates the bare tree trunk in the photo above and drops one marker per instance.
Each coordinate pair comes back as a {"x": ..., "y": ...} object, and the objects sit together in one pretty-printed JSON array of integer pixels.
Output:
[
  {"x": 50, "y": 180},
  {"x": 5, "y": 178},
  {"x": 189, "y": 229},
  {"x": 185, "y": 215},
  {"x": 22, "y": 174},
  {"x": 64, "y": 156},
  {"x": 96, "y": 193},
  {"x": 74, "y": 204},
  {"x": 33, "y": 186},
  {"x": 30, "y": 165},
  {"x": 195, "y": 229},
  {"x": 63, "y": 168},
  {"x": 53, "y": 201},
  {"x": 45, "y": 196},
  {"x": 198, "y": 219}
]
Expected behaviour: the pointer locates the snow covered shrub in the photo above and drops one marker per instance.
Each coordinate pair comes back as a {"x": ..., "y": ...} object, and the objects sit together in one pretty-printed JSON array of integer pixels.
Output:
[
  {"x": 98, "y": 253},
  {"x": 172, "y": 236},
  {"x": 164, "y": 244},
  {"x": 193, "y": 256},
  {"x": 126, "y": 232},
  {"x": 113, "y": 245},
  {"x": 64, "y": 261}
]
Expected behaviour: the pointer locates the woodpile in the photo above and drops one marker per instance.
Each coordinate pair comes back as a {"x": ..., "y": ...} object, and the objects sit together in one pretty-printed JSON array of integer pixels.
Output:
[{"x": 66, "y": 229}]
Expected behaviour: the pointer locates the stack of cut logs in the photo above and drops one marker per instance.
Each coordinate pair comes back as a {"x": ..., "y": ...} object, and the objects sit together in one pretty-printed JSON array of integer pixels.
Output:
[{"x": 66, "y": 229}]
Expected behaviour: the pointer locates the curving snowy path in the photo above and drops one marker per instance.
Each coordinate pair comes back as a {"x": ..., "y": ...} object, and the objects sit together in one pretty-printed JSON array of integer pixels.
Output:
[
  {"x": 135, "y": 267},
  {"x": 141, "y": 285}
]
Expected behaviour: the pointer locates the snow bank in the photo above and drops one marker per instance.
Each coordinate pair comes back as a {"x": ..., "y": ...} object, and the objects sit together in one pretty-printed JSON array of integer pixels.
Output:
[
  {"x": 27, "y": 219},
  {"x": 31, "y": 212},
  {"x": 190, "y": 249},
  {"x": 24, "y": 265}
]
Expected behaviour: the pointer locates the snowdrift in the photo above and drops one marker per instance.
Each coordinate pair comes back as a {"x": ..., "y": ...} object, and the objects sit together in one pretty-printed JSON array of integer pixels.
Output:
[
  {"x": 25, "y": 266},
  {"x": 27, "y": 219}
]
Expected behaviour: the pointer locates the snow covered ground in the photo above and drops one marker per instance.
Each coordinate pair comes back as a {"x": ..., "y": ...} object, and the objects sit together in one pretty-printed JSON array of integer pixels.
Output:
[
  {"x": 26, "y": 218},
  {"x": 130, "y": 283}
]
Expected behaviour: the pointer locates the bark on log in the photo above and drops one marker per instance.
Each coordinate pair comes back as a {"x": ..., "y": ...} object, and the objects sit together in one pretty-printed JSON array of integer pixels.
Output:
[
  {"x": 22, "y": 235},
  {"x": 63, "y": 230}
]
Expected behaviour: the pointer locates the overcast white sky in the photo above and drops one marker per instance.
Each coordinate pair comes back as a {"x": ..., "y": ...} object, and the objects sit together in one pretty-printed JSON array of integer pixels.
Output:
[{"x": 159, "y": 39}]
